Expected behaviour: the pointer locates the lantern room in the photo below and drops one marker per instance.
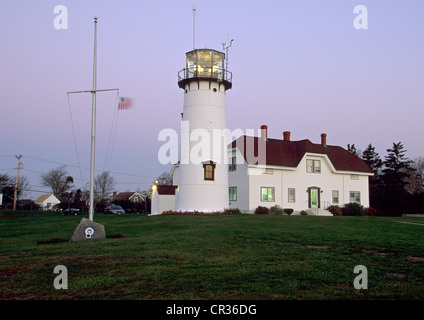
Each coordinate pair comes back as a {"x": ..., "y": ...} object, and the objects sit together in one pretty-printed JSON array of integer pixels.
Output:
[{"x": 205, "y": 64}]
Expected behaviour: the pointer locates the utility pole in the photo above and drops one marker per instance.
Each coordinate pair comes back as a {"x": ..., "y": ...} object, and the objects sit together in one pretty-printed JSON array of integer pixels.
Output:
[{"x": 16, "y": 183}]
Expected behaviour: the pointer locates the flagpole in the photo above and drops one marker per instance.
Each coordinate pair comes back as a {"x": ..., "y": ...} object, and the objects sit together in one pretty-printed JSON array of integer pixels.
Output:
[
  {"x": 93, "y": 123},
  {"x": 93, "y": 120}
]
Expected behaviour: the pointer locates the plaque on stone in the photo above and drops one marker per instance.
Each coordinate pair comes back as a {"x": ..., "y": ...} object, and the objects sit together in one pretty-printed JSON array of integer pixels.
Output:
[{"x": 88, "y": 230}]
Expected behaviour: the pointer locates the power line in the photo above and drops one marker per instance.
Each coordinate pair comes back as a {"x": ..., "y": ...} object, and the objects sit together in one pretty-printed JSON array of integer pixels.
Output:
[
  {"x": 74, "y": 166},
  {"x": 46, "y": 160}
]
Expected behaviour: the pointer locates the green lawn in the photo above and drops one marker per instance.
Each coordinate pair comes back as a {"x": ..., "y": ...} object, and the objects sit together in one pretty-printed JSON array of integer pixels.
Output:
[{"x": 213, "y": 257}]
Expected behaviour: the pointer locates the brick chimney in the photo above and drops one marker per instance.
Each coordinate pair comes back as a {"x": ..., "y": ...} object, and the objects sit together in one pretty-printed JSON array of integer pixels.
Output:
[
  {"x": 264, "y": 131},
  {"x": 286, "y": 135},
  {"x": 324, "y": 139}
]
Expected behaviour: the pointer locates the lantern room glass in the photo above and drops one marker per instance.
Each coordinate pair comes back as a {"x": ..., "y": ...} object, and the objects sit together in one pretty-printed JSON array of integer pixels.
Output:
[{"x": 205, "y": 63}]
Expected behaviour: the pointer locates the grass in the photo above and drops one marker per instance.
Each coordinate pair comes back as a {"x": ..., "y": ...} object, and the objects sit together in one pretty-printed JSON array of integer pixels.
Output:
[{"x": 212, "y": 257}]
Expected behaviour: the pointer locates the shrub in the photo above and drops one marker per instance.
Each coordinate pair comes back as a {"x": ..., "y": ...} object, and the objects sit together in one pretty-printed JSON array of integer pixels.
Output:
[
  {"x": 370, "y": 211},
  {"x": 335, "y": 210},
  {"x": 288, "y": 211},
  {"x": 276, "y": 210},
  {"x": 261, "y": 210},
  {"x": 232, "y": 211},
  {"x": 303, "y": 213},
  {"x": 353, "y": 209}
]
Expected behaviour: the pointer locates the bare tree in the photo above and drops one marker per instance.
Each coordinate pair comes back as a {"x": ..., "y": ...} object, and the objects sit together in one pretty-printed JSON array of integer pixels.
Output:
[
  {"x": 415, "y": 182},
  {"x": 23, "y": 187},
  {"x": 164, "y": 179},
  {"x": 58, "y": 180},
  {"x": 104, "y": 184}
]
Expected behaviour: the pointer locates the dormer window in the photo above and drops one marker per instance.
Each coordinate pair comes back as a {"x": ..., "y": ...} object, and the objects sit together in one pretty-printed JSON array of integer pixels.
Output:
[
  {"x": 209, "y": 170},
  {"x": 313, "y": 166}
]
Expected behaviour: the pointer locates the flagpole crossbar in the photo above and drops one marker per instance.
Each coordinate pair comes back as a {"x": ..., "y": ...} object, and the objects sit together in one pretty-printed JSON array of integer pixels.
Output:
[{"x": 92, "y": 91}]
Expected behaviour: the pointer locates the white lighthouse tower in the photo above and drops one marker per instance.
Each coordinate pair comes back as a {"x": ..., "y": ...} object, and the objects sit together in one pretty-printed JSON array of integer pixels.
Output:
[{"x": 202, "y": 175}]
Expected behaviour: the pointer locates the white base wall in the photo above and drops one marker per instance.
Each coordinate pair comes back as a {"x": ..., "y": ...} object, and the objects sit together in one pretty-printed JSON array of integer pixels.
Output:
[
  {"x": 202, "y": 198},
  {"x": 162, "y": 202}
]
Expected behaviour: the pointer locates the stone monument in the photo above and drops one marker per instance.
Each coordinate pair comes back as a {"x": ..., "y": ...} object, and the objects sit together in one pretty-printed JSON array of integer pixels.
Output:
[{"x": 88, "y": 230}]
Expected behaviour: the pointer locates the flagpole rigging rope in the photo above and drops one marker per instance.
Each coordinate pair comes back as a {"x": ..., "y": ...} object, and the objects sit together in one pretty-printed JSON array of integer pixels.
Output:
[
  {"x": 75, "y": 140},
  {"x": 112, "y": 134}
]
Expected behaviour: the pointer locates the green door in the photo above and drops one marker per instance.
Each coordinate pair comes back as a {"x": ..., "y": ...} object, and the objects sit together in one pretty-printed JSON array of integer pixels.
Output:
[{"x": 314, "y": 198}]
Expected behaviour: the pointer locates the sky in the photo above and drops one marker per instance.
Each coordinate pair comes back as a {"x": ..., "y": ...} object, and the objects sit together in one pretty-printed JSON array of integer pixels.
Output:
[{"x": 297, "y": 65}]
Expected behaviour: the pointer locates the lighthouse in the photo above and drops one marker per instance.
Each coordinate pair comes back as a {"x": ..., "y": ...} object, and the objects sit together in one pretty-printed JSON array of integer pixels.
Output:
[{"x": 202, "y": 175}]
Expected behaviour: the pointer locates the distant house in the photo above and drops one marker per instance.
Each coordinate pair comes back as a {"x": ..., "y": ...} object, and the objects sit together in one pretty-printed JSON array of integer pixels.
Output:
[
  {"x": 134, "y": 197},
  {"x": 47, "y": 201}
]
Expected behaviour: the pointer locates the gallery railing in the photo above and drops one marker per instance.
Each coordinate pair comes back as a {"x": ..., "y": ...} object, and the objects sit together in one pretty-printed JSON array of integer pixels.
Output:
[{"x": 208, "y": 72}]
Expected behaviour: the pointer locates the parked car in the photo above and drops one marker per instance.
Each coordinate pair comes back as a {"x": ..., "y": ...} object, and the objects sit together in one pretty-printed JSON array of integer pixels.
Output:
[
  {"x": 71, "y": 211},
  {"x": 113, "y": 209}
]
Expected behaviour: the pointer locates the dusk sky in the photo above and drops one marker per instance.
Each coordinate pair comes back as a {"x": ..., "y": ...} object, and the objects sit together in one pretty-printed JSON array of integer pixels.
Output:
[{"x": 298, "y": 65}]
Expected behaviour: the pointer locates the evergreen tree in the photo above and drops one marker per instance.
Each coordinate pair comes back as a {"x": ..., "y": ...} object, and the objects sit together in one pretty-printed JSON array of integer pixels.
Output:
[
  {"x": 396, "y": 168},
  {"x": 374, "y": 161},
  {"x": 394, "y": 177}
]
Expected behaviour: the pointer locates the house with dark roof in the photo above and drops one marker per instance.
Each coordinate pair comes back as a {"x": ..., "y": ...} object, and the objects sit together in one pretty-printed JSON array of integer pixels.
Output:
[
  {"x": 134, "y": 197},
  {"x": 300, "y": 175}
]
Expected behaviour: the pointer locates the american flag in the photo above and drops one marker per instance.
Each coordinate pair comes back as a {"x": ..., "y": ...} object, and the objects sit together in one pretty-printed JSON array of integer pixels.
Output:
[{"x": 124, "y": 103}]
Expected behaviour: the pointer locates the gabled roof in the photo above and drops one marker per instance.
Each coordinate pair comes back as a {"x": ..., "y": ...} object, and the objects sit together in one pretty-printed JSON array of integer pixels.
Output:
[
  {"x": 285, "y": 153},
  {"x": 43, "y": 197},
  {"x": 122, "y": 196}
]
